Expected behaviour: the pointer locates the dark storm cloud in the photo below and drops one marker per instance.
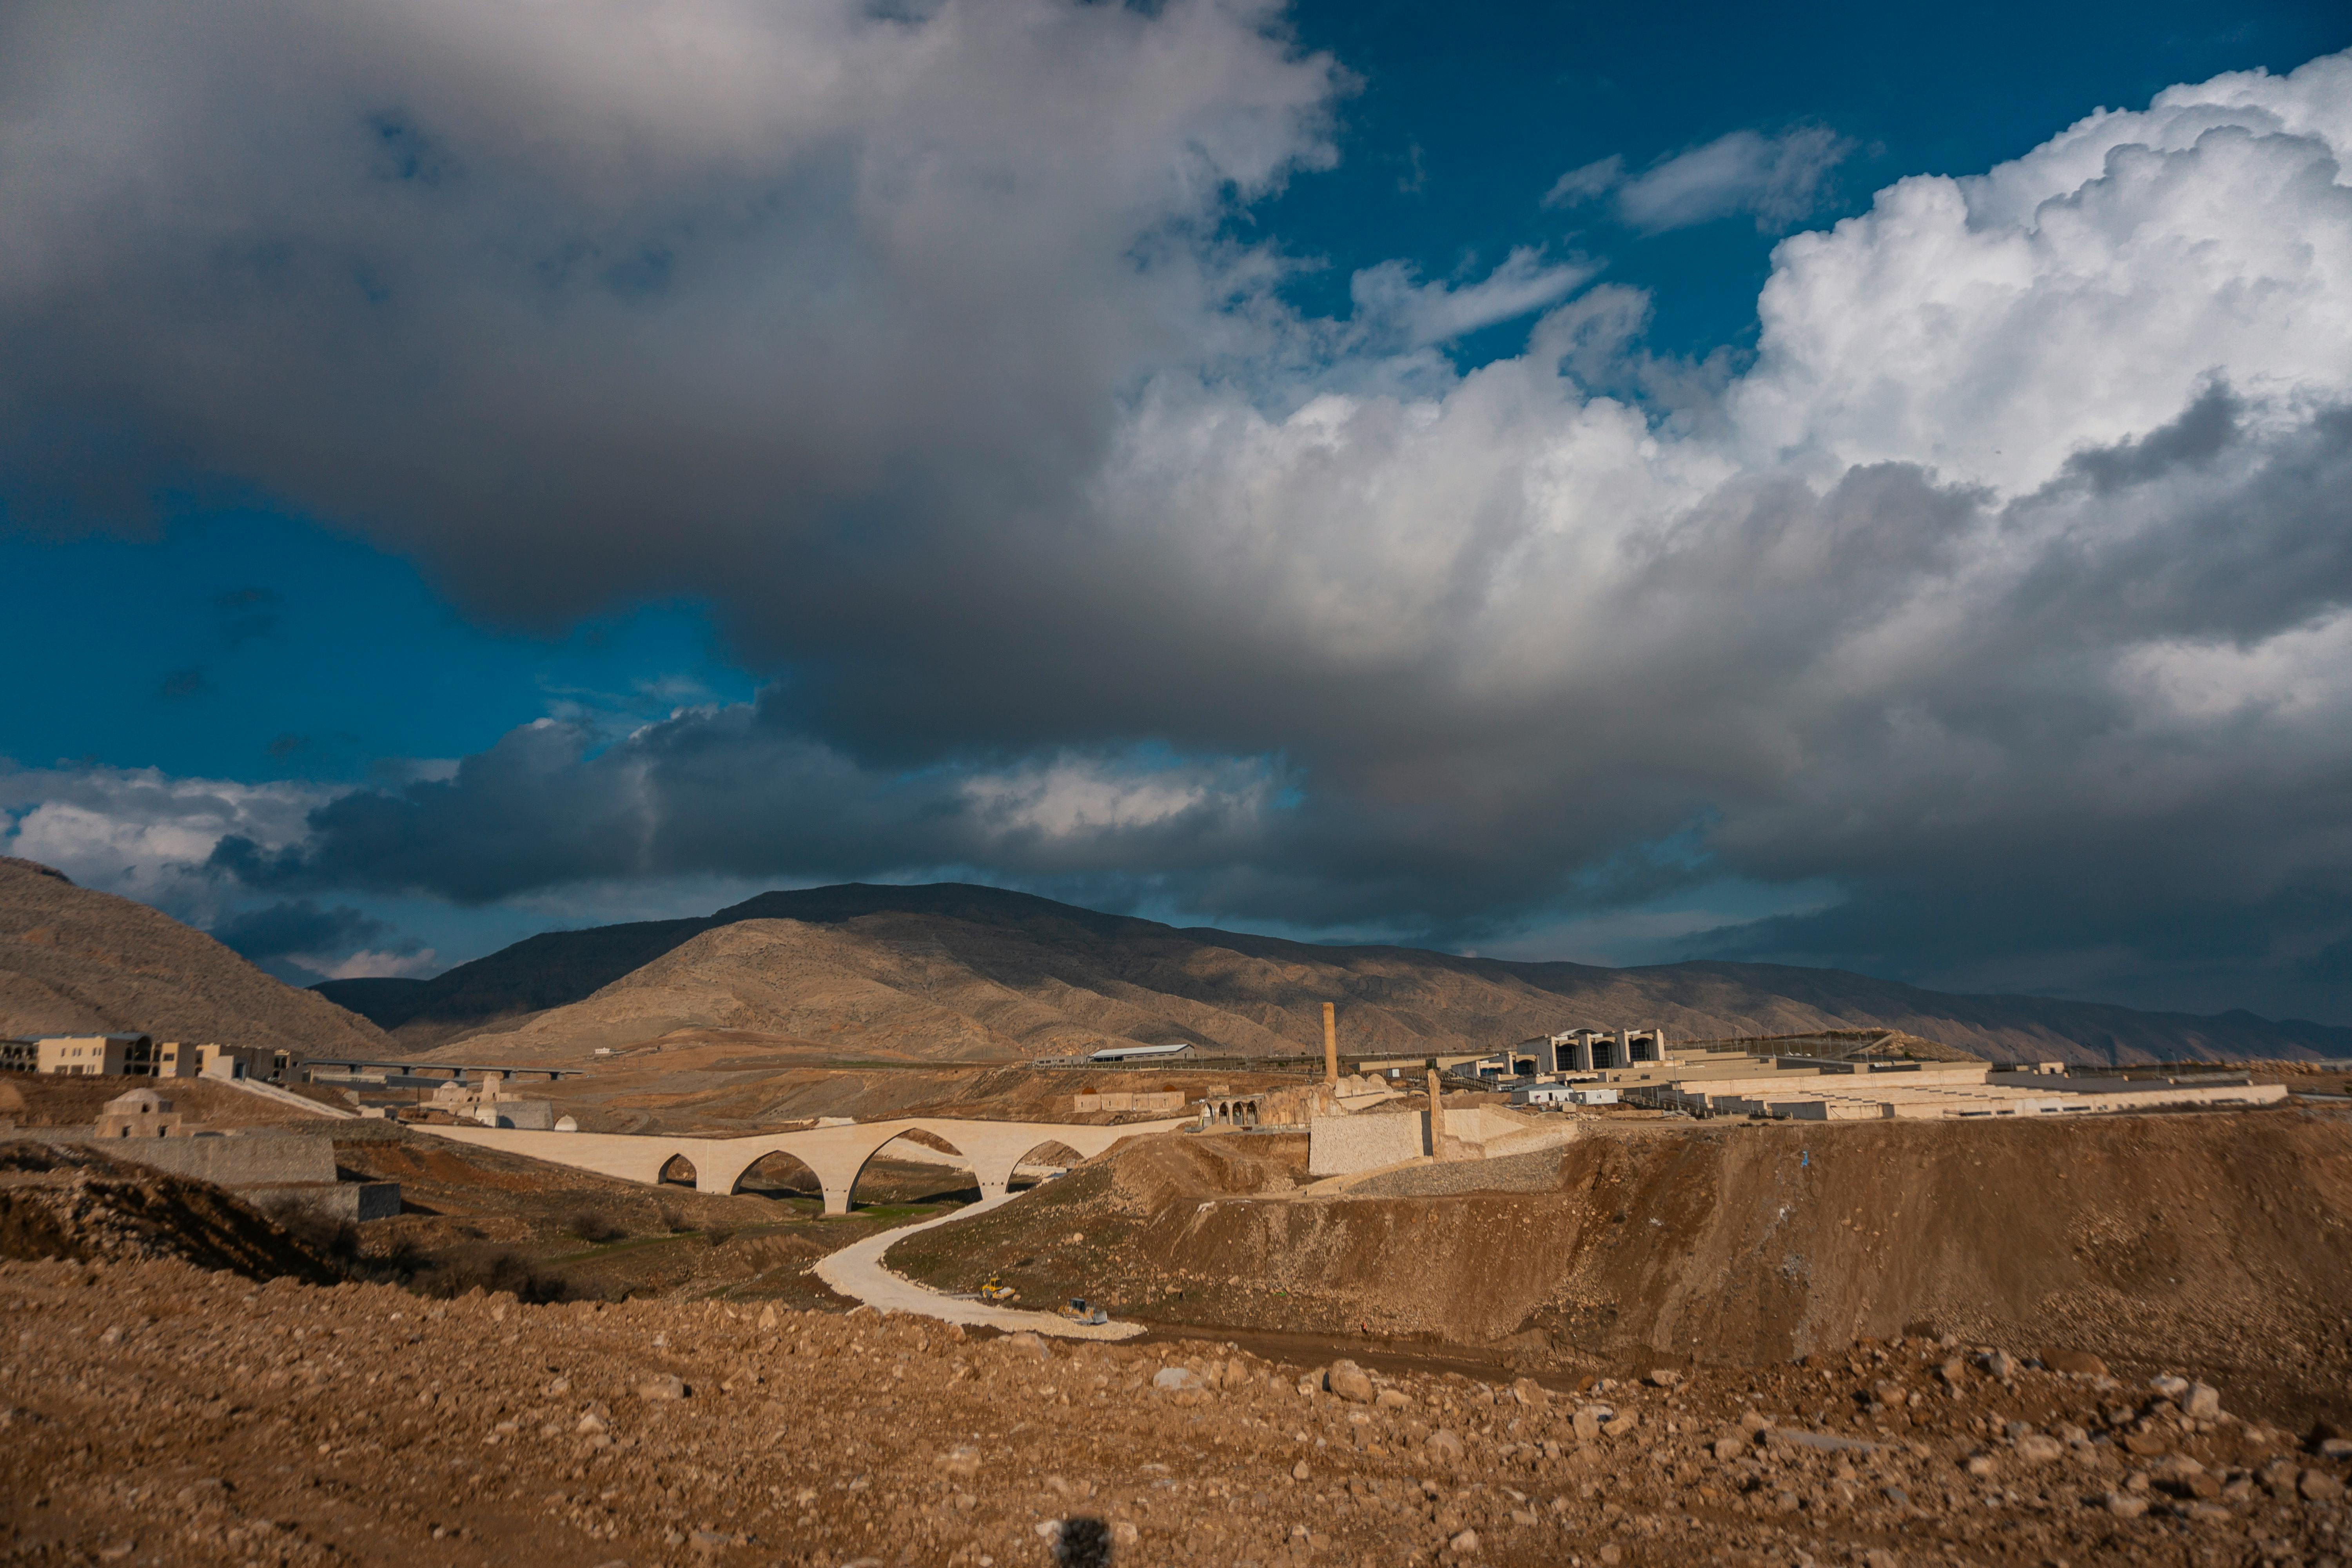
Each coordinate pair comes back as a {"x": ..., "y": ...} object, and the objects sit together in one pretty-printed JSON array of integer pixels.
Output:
[
  {"x": 2012, "y": 575},
  {"x": 2001, "y": 771},
  {"x": 299, "y": 929}
]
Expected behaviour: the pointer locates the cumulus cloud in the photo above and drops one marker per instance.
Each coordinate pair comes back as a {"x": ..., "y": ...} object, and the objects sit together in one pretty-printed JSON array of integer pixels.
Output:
[
  {"x": 1779, "y": 180},
  {"x": 2008, "y": 590},
  {"x": 143, "y": 834}
]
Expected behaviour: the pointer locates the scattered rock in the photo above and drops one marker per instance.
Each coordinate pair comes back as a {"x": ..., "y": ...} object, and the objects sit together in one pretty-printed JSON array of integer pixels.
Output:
[
  {"x": 1465, "y": 1545},
  {"x": 2000, "y": 1364},
  {"x": 2318, "y": 1485},
  {"x": 2170, "y": 1386},
  {"x": 1349, "y": 1382},
  {"x": 962, "y": 1463},
  {"x": 2075, "y": 1363},
  {"x": 1663, "y": 1377},
  {"x": 1393, "y": 1399},
  {"x": 2036, "y": 1449},
  {"x": 1301, "y": 1472},
  {"x": 1026, "y": 1342},
  {"x": 1444, "y": 1445},
  {"x": 1175, "y": 1380},
  {"x": 2127, "y": 1505},
  {"x": 664, "y": 1385},
  {"x": 1527, "y": 1391},
  {"x": 2202, "y": 1401}
]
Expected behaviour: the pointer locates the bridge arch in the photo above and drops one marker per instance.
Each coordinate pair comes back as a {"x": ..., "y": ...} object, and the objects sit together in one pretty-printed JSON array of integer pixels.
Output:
[
  {"x": 1048, "y": 1154},
  {"x": 905, "y": 1140},
  {"x": 677, "y": 1170},
  {"x": 781, "y": 1174}
]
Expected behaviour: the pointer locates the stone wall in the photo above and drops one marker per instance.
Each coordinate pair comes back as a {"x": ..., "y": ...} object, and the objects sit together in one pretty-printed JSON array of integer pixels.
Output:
[
  {"x": 354, "y": 1201},
  {"x": 1342, "y": 1145},
  {"x": 1127, "y": 1100},
  {"x": 261, "y": 1159}
]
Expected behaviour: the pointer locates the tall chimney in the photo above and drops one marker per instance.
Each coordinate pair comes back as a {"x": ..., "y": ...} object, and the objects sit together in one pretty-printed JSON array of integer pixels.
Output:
[
  {"x": 1331, "y": 1045},
  {"x": 1437, "y": 1116}
]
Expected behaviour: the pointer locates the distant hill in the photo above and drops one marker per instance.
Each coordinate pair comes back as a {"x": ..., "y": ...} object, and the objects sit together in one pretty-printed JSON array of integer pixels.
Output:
[
  {"x": 954, "y": 972},
  {"x": 77, "y": 962}
]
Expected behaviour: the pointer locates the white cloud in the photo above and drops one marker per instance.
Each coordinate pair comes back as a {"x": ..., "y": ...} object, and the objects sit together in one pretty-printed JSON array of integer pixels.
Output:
[
  {"x": 1396, "y": 313},
  {"x": 1078, "y": 798},
  {"x": 1587, "y": 181},
  {"x": 1776, "y": 179},
  {"x": 140, "y": 833},
  {"x": 369, "y": 965},
  {"x": 2078, "y": 296}
]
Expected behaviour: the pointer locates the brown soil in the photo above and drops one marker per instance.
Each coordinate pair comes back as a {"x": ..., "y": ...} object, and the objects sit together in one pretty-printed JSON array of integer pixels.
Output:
[
  {"x": 158, "y": 1415},
  {"x": 2221, "y": 1238},
  {"x": 74, "y": 961}
]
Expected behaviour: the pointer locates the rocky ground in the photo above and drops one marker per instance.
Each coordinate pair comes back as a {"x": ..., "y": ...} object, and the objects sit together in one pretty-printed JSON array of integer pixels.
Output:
[{"x": 158, "y": 1413}]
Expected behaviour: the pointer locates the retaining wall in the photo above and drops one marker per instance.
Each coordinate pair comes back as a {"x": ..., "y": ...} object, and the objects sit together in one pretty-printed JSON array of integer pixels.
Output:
[{"x": 1342, "y": 1145}]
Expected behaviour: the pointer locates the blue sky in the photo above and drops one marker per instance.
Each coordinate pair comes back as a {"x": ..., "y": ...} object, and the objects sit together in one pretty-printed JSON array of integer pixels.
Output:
[{"x": 339, "y": 511}]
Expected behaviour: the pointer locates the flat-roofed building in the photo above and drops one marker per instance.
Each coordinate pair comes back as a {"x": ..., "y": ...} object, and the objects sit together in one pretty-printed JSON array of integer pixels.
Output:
[{"x": 91, "y": 1055}]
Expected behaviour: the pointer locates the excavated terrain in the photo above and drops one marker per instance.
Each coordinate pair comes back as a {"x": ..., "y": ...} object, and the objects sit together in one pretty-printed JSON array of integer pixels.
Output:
[
  {"x": 2222, "y": 1238},
  {"x": 158, "y": 1415}
]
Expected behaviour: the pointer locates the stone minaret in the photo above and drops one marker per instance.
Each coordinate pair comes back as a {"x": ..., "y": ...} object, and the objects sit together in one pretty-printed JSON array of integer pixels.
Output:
[{"x": 1331, "y": 1045}]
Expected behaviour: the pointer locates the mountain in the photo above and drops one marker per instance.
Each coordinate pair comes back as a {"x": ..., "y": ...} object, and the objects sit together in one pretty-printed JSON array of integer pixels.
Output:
[
  {"x": 75, "y": 961},
  {"x": 953, "y": 971}
]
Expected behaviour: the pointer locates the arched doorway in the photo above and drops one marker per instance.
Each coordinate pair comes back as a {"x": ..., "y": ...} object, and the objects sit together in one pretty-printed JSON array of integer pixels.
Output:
[
  {"x": 1045, "y": 1163},
  {"x": 785, "y": 1178},
  {"x": 914, "y": 1168},
  {"x": 677, "y": 1170}
]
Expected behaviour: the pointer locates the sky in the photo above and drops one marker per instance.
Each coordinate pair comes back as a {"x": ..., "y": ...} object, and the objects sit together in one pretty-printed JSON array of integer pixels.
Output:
[{"x": 1869, "y": 489}]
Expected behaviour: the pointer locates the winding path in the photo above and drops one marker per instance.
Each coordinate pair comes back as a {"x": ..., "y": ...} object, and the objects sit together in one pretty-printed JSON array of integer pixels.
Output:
[{"x": 858, "y": 1272}]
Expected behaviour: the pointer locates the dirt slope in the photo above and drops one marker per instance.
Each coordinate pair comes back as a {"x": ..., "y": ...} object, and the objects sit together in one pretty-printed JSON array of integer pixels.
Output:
[
  {"x": 77, "y": 962},
  {"x": 951, "y": 972},
  {"x": 2223, "y": 1237},
  {"x": 69, "y": 1202}
]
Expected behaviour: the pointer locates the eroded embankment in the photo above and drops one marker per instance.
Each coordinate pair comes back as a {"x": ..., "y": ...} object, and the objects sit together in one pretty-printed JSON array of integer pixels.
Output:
[{"x": 2228, "y": 1236}]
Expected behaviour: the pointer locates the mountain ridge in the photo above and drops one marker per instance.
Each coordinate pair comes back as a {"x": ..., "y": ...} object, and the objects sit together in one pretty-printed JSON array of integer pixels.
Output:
[{"x": 1027, "y": 975}]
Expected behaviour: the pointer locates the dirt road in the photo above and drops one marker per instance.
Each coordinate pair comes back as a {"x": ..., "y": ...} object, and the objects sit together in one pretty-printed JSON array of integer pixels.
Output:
[{"x": 857, "y": 1272}]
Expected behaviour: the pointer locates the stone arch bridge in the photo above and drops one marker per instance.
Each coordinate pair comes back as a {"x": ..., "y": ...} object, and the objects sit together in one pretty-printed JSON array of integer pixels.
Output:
[{"x": 993, "y": 1150}]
